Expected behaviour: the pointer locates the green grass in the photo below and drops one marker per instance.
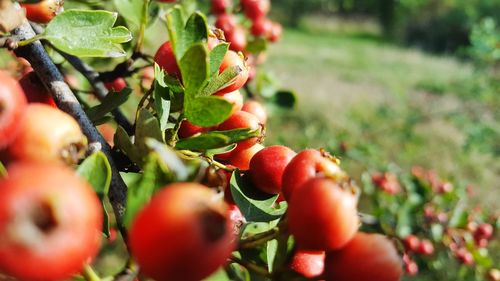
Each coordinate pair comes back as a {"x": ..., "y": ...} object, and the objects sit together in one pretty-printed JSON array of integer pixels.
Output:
[{"x": 390, "y": 105}]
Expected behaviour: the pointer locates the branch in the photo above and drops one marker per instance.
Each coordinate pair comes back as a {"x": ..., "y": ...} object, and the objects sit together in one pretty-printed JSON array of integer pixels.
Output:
[
  {"x": 95, "y": 80},
  {"x": 66, "y": 101}
]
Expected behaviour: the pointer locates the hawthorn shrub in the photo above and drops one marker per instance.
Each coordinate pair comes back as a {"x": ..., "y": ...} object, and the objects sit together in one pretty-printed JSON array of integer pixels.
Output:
[{"x": 188, "y": 183}]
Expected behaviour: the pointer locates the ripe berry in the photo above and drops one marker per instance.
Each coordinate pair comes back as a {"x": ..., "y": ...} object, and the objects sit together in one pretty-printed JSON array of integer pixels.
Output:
[
  {"x": 464, "y": 256},
  {"x": 426, "y": 247},
  {"x": 276, "y": 31},
  {"x": 241, "y": 158},
  {"x": 188, "y": 129},
  {"x": 411, "y": 268},
  {"x": 35, "y": 91},
  {"x": 43, "y": 11},
  {"x": 226, "y": 22},
  {"x": 235, "y": 98},
  {"x": 220, "y": 6},
  {"x": 267, "y": 166},
  {"x": 308, "y": 263},
  {"x": 116, "y": 85},
  {"x": 257, "y": 109},
  {"x": 50, "y": 222},
  {"x": 322, "y": 215},
  {"x": 261, "y": 27},
  {"x": 255, "y": 9},
  {"x": 233, "y": 59},
  {"x": 12, "y": 106},
  {"x": 184, "y": 233},
  {"x": 370, "y": 257},
  {"x": 48, "y": 134},
  {"x": 165, "y": 58},
  {"x": 412, "y": 243},
  {"x": 237, "y": 39},
  {"x": 484, "y": 230},
  {"x": 241, "y": 119},
  {"x": 306, "y": 165}
]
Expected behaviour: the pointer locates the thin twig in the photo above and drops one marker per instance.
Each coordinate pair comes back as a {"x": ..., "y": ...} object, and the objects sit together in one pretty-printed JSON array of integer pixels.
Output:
[{"x": 66, "y": 101}]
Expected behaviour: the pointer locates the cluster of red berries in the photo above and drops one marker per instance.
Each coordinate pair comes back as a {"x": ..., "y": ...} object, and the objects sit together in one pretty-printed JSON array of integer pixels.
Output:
[
  {"x": 236, "y": 31},
  {"x": 49, "y": 217},
  {"x": 413, "y": 246},
  {"x": 432, "y": 178},
  {"x": 387, "y": 182}
]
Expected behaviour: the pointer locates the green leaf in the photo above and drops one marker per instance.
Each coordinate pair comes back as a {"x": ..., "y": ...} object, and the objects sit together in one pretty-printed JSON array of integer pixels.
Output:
[
  {"x": 161, "y": 94},
  {"x": 146, "y": 126},
  {"x": 207, "y": 111},
  {"x": 154, "y": 176},
  {"x": 175, "y": 27},
  {"x": 203, "y": 142},
  {"x": 111, "y": 101},
  {"x": 123, "y": 142},
  {"x": 258, "y": 45},
  {"x": 130, "y": 10},
  {"x": 194, "y": 69},
  {"x": 215, "y": 151},
  {"x": 216, "y": 56},
  {"x": 255, "y": 205},
  {"x": 219, "y": 275},
  {"x": 170, "y": 158},
  {"x": 225, "y": 79},
  {"x": 216, "y": 139},
  {"x": 86, "y": 33},
  {"x": 196, "y": 31},
  {"x": 97, "y": 171},
  {"x": 3, "y": 171},
  {"x": 271, "y": 251},
  {"x": 459, "y": 216}
]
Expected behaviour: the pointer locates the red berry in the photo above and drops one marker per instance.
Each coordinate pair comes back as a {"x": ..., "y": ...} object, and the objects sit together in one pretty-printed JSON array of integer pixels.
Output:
[
  {"x": 116, "y": 85},
  {"x": 426, "y": 247},
  {"x": 464, "y": 256},
  {"x": 306, "y": 165},
  {"x": 237, "y": 39},
  {"x": 322, "y": 215},
  {"x": 226, "y": 22},
  {"x": 220, "y": 6},
  {"x": 236, "y": 217},
  {"x": 276, "y": 31},
  {"x": 165, "y": 58},
  {"x": 484, "y": 230},
  {"x": 48, "y": 134},
  {"x": 233, "y": 59},
  {"x": 241, "y": 158},
  {"x": 43, "y": 11},
  {"x": 241, "y": 119},
  {"x": 412, "y": 243},
  {"x": 35, "y": 91},
  {"x": 235, "y": 98},
  {"x": 255, "y": 9},
  {"x": 267, "y": 166},
  {"x": 50, "y": 222},
  {"x": 261, "y": 27},
  {"x": 183, "y": 234},
  {"x": 188, "y": 129},
  {"x": 257, "y": 109},
  {"x": 12, "y": 107},
  {"x": 370, "y": 257},
  {"x": 411, "y": 268},
  {"x": 308, "y": 263}
]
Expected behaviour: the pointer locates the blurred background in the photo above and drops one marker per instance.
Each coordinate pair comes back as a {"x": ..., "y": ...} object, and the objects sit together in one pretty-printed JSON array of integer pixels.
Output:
[{"x": 409, "y": 82}]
